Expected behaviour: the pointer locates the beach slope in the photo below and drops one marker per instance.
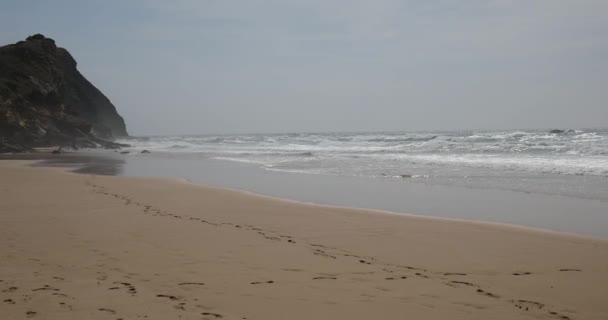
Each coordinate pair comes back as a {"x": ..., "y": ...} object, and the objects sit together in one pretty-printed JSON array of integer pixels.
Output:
[{"x": 97, "y": 247}]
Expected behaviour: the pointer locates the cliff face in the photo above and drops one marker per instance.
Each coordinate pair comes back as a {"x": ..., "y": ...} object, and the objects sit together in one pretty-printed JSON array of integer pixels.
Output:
[{"x": 45, "y": 101}]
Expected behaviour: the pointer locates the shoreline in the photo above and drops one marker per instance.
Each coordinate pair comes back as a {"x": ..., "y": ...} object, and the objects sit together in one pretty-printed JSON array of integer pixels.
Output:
[
  {"x": 193, "y": 251},
  {"x": 74, "y": 168},
  {"x": 515, "y": 227}
]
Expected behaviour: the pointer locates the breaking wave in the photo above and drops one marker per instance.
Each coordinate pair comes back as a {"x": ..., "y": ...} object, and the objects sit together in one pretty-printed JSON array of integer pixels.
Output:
[{"x": 562, "y": 152}]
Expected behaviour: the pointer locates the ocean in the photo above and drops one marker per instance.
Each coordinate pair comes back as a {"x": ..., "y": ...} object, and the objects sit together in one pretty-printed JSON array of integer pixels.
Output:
[{"x": 571, "y": 163}]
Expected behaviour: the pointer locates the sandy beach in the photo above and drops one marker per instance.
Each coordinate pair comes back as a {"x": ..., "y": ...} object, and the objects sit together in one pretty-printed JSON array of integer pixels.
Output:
[{"x": 99, "y": 247}]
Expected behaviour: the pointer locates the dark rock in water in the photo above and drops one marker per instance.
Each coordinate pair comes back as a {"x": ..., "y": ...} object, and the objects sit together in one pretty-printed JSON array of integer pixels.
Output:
[
  {"x": 405, "y": 176},
  {"x": 45, "y": 101},
  {"x": 108, "y": 144},
  {"x": 145, "y": 151},
  {"x": 124, "y": 152},
  {"x": 557, "y": 131}
]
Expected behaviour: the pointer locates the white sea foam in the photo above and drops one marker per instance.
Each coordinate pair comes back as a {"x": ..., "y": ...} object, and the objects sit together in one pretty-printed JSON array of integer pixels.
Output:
[{"x": 573, "y": 152}]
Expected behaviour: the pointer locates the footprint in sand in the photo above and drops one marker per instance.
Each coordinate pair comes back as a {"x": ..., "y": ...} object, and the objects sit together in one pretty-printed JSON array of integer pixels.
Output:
[
  {"x": 180, "y": 306},
  {"x": 130, "y": 288},
  {"x": 31, "y": 314},
  {"x": 322, "y": 253},
  {"x": 60, "y": 294},
  {"x": 168, "y": 296},
  {"x": 211, "y": 314},
  {"x": 9, "y": 301},
  {"x": 10, "y": 289},
  {"x": 560, "y": 316},
  {"x": 262, "y": 282},
  {"x": 489, "y": 294},
  {"x": 463, "y": 282},
  {"x": 107, "y": 310},
  {"x": 527, "y": 304},
  {"x": 522, "y": 273},
  {"x": 46, "y": 287},
  {"x": 65, "y": 305}
]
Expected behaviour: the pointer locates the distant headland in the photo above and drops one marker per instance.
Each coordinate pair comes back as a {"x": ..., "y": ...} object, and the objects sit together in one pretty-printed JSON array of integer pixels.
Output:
[{"x": 45, "y": 101}]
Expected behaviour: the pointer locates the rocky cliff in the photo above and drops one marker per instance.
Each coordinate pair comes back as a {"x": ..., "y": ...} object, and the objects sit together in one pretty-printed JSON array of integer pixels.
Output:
[{"x": 45, "y": 101}]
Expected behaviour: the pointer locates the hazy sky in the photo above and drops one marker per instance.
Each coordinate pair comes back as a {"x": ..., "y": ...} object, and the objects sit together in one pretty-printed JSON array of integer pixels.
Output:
[{"x": 222, "y": 66}]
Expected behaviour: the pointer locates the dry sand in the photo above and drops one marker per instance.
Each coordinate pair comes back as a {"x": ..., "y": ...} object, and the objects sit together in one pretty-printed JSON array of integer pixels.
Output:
[{"x": 95, "y": 247}]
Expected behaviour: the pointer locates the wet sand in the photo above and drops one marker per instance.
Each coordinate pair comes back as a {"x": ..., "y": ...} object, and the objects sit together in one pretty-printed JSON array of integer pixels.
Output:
[
  {"x": 552, "y": 212},
  {"x": 107, "y": 247}
]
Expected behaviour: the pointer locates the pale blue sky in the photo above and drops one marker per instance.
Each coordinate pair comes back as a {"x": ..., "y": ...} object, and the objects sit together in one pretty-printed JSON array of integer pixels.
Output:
[{"x": 222, "y": 66}]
